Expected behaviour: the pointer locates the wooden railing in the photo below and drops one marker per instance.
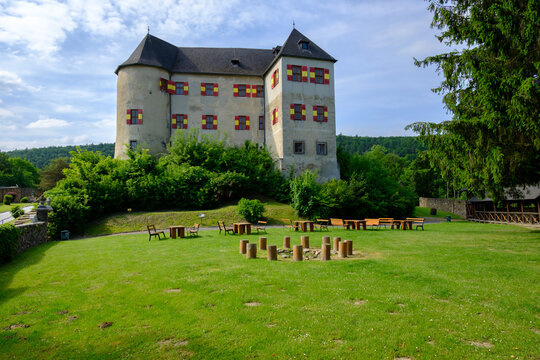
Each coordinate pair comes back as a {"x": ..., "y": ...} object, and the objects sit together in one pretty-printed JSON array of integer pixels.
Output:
[{"x": 510, "y": 217}]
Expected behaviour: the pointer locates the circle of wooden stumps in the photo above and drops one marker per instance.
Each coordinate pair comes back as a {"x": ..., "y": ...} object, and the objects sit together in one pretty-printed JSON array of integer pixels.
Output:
[
  {"x": 262, "y": 243},
  {"x": 337, "y": 240},
  {"x": 298, "y": 253},
  {"x": 325, "y": 251},
  {"x": 271, "y": 253},
  {"x": 251, "y": 251},
  {"x": 342, "y": 249},
  {"x": 286, "y": 242},
  {"x": 243, "y": 246},
  {"x": 305, "y": 241},
  {"x": 326, "y": 240}
]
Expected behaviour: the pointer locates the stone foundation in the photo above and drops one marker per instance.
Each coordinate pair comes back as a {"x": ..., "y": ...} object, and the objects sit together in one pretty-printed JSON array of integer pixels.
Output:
[
  {"x": 458, "y": 207},
  {"x": 32, "y": 234}
]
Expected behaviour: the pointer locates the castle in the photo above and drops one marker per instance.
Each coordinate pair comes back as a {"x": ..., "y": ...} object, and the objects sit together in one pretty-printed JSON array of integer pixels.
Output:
[{"x": 281, "y": 98}]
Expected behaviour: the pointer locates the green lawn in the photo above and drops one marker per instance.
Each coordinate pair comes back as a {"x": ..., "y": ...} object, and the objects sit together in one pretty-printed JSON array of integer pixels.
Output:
[
  {"x": 4, "y": 208},
  {"x": 137, "y": 221},
  {"x": 454, "y": 291}
]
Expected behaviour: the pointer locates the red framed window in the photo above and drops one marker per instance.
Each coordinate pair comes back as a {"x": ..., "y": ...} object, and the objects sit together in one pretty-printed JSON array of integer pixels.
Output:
[
  {"x": 134, "y": 116},
  {"x": 209, "y": 89},
  {"x": 297, "y": 73},
  {"x": 319, "y": 75},
  {"x": 320, "y": 113},
  {"x": 241, "y": 90},
  {"x": 182, "y": 88},
  {"x": 298, "y": 112},
  {"x": 275, "y": 78},
  {"x": 241, "y": 122},
  {"x": 261, "y": 122},
  {"x": 275, "y": 116},
  {"x": 167, "y": 86},
  {"x": 179, "y": 121},
  {"x": 257, "y": 91},
  {"x": 209, "y": 122}
]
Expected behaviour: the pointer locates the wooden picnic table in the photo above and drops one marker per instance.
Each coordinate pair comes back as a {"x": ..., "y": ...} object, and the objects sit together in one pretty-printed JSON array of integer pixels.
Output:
[
  {"x": 404, "y": 224},
  {"x": 355, "y": 224},
  {"x": 303, "y": 224},
  {"x": 242, "y": 227},
  {"x": 176, "y": 229}
]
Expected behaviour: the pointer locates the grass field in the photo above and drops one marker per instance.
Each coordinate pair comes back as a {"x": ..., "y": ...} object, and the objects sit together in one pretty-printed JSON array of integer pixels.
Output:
[
  {"x": 454, "y": 291},
  {"x": 4, "y": 208}
]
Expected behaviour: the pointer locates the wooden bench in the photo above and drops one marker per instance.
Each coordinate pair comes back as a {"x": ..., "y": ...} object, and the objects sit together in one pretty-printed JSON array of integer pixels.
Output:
[
  {"x": 372, "y": 222},
  {"x": 386, "y": 221},
  {"x": 261, "y": 226},
  {"x": 418, "y": 222},
  {"x": 223, "y": 227},
  {"x": 287, "y": 223},
  {"x": 194, "y": 230},
  {"x": 153, "y": 232},
  {"x": 321, "y": 224},
  {"x": 339, "y": 222}
]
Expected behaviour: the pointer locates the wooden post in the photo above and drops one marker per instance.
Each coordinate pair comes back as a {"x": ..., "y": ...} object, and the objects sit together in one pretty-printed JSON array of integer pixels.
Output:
[
  {"x": 326, "y": 240},
  {"x": 305, "y": 241},
  {"x": 337, "y": 240},
  {"x": 286, "y": 242},
  {"x": 325, "y": 251},
  {"x": 262, "y": 243},
  {"x": 272, "y": 253},
  {"x": 298, "y": 253},
  {"x": 342, "y": 249},
  {"x": 243, "y": 246},
  {"x": 349, "y": 247},
  {"x": 251, "y": 251}
]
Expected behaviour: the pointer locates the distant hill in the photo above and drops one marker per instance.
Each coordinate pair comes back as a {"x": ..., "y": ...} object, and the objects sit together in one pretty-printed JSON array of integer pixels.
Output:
[
  {"x": 404, "y": 146},
  {"x": 40, "y": 157}
]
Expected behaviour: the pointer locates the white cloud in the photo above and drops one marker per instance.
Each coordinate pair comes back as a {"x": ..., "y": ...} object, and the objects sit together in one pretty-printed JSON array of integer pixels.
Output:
[
  {"x": 4, "y": 113},
  {"x": 74, "y": 140},
  {"x": 47, "y": 124},
  {"x": 8, "y": 127},
  {"x": 10, "y": 82},
  {"x": 108, "y": 123},
  {"x": 65, "y": 109}
]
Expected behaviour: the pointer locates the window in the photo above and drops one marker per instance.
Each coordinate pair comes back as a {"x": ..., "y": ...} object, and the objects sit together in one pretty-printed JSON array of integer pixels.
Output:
[
  {"x": 132, "y": 144},
  {"x": 321, "y": 148},
  {"x": 241, "y": 122},
  {"x": 298, "y": 147},
  {"x": 241, "y": 90},
  {"x": 275, "y": 78},
  {"x": 134, "y": 116},
  {"x": 257, "y": 91},
  {"x": 304, "y": 45},
  {"x": 209, "y": 122},
  {"x": 319, "y": 76},
  {"x": 275, "y": 117},
  {"x": 298, "y": 112},
  {"x": 209, "y": 89},
  {"x": 320, "y": 113},
  {"x": 261, "y": 122},
  {"x": 297, "y": 73},
  {"x": 181, "y": 88},
  {"x": 179, "y": 121}
]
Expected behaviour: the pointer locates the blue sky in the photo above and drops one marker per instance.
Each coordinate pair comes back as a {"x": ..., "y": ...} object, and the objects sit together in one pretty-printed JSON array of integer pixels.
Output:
[{"x": 57, "y": 81}]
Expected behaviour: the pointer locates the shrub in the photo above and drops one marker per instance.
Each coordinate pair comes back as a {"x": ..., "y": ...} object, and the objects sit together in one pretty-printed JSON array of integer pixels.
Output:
[
  {"x": 251, "y": 210},
  {"x": 8, "y": 199},
  {"x": 9, "y": 238},
  {"x": 24, "y": 200},
  {"x": 307, "y": 198},
  {"x": 16, "y": 211}
]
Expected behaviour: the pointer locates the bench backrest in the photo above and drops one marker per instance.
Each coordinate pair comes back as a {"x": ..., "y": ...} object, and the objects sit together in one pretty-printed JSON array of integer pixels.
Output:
[
  {"x": 322, "y": 221},
  {"x": 336, "y": 222},
  {"x": 151, "y": 229},
  {"x": 386, "y": 220},
  {"x": 286, "y": 221},
  {"x": 221, "y": 225},
  {"x": 372, "y": 222},
  {"x": 416, "y": 220}
]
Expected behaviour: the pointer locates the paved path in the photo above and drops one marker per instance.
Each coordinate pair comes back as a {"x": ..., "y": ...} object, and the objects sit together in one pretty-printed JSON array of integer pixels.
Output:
[{"x": 6, "y": 216}]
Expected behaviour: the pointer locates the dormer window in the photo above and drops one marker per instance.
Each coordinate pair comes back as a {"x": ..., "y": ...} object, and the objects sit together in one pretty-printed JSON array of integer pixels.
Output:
[
  {"x": 304, "y": 45},
  {"x": 235, "y": 62}
]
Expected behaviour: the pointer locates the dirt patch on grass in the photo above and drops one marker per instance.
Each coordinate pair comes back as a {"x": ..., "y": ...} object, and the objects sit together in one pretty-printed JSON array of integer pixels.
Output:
[
  {"x": 16, "y": 326},
  {"x": 403, "y": 358},
  {"x": 174, "y": 342},
  {"x": 173, "y": 290},
  {"x": 73, "y": 318},
  {"x": 252, "y": 304},
  {"x": 62, "y": 312},
  {"x": 106, "y": 324},
  {"x": 482, "y": 344},
  {"x": 338, "y": 341},
  {"x": 270, "y": 325},
  {"x": 23, "y": 312},
  {"x": 359, "y": 302},
  {"x": 535, "y": 330}
]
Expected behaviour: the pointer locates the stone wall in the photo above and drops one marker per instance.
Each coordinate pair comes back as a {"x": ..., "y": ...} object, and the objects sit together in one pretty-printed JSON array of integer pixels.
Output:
[
  {"x": 32, "y": 234},
  {"x": 457, "y": 207},
  {"x": 21, "y": 192}
]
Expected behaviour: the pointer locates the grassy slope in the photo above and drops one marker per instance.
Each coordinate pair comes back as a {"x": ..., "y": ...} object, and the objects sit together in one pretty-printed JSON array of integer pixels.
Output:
[
  {"x": 137, "y": 221},
  {"x": 4, "y": 208},
  {"x": 424, "y": 212},
  {"x": 448, "y": 292}
]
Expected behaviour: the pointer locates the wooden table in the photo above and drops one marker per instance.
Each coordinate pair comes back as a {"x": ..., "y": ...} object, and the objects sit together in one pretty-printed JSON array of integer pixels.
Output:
[
  {"x": 303, "y": 224},
  {"x": 176, "y": 229},
  {"x": 404, "y": 224},
  {"x": 241, "y": 228},
  {"x": 355, "y": 224}
]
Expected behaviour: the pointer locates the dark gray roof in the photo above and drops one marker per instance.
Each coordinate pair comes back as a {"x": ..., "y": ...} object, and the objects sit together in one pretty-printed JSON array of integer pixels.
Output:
[
  {"x": 153, "y": 51},
  {"x": 528, "y": 192}
]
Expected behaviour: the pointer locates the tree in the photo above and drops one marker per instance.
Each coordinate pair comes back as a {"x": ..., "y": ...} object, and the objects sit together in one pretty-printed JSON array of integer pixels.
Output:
[
  {"x": 53, "y": 173},
  {"x": 492, "y": 89},
  {"x": 17, "y": 171}
]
